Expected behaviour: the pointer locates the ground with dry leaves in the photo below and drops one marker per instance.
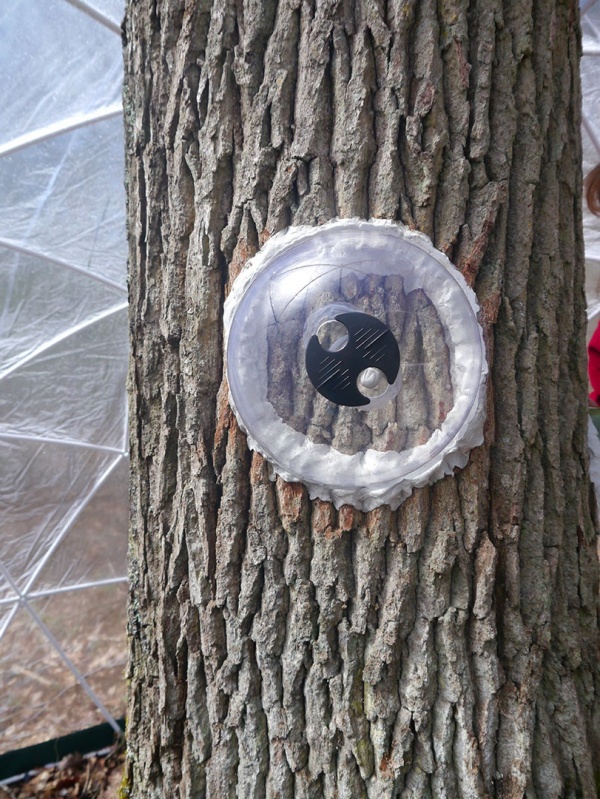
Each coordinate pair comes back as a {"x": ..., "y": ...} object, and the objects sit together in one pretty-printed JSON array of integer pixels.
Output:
[{"x": 75, "y": 777}]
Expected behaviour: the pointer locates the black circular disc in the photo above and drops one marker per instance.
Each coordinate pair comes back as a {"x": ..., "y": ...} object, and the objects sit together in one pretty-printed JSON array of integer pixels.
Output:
[{"x": 334, "y": 373}]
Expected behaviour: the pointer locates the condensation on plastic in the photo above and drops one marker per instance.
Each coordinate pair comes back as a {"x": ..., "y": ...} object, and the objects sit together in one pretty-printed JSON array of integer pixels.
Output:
[
  {"x": 374, "y": 267},
  {"x": 63, "y": 361}
]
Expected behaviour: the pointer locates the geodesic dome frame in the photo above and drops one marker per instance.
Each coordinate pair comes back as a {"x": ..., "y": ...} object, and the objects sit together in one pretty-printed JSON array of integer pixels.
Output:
[{"x": 63, "y": 344}]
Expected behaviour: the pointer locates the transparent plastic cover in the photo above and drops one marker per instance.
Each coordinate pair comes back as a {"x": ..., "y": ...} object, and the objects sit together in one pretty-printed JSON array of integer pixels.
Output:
[{"x": 355, "y": 360}]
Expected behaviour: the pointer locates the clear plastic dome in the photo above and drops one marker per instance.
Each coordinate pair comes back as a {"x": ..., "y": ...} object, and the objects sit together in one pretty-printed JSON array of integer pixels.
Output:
[{"x": 355, "y": 360}]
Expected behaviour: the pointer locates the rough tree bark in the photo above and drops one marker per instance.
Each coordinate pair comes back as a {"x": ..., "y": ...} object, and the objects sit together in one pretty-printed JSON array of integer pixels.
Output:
[{"x": 280, "y": 648}]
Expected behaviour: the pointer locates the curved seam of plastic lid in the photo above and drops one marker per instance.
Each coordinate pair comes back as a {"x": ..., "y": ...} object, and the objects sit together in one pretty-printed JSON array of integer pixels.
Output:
[
  {"x": 440, "y": 461},
  {"x": 290, "y": 236}
]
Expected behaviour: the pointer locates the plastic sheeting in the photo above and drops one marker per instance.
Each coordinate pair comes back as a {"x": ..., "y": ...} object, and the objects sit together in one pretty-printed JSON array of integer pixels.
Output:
[
  {"x": 590, "y": 84},
  {"x": 63, "y": 353},
  {"x": 63, "y": 361}
]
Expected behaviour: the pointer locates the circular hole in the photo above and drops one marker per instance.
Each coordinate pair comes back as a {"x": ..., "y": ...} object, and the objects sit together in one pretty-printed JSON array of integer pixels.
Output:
[
  {"x": 371, "y": 382},
  {"x": 332, "y": 335}
]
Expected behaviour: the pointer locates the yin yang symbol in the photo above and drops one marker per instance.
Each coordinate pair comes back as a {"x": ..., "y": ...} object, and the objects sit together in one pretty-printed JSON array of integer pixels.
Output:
[{"x": 361, "y": 357}]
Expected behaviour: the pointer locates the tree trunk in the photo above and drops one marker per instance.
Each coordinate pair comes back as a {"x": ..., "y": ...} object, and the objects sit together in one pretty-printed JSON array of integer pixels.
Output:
[{"x": 281, "y": 648}]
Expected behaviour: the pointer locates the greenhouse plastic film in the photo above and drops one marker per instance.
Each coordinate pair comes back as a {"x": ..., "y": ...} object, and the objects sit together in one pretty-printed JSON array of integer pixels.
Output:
[
  {"x": 62, "y": 202},
  {"x": 590, "y": 84},
  {"x": 63, "y": 360},
  {"x": 76, "y": 62}
]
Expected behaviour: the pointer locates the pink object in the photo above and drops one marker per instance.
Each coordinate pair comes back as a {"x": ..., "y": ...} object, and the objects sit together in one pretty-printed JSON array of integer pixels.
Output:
[{"x": 594, "y": 365}]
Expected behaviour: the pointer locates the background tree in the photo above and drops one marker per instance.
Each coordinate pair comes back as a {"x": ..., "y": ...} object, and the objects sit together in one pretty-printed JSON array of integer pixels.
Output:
[{"x": 280, "y": 648}]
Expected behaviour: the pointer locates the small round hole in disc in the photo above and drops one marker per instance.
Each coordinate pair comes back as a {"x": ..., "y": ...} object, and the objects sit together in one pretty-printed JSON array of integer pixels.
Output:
[
  {"x": 332, "y": 335},
  {"x": 372, "y": 382}
]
